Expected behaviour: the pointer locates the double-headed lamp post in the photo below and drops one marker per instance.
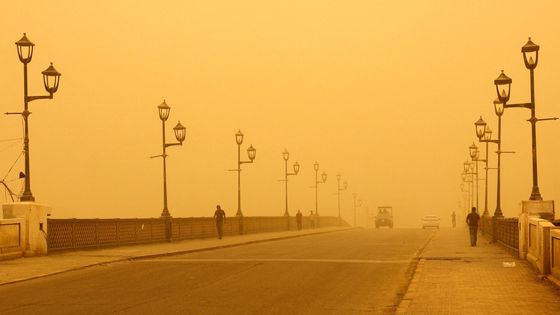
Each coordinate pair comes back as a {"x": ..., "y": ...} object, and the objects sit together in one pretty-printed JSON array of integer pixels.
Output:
[
  {"x": 484, "y": 134},
  {"x": 286, "y": 157},
  {"x": 180, "y": 134},
  {"x": 339, "y": 189},
  {"x": 468, "y": 172},
  {"x": 357, "y": 203},
  {"x": 317, "y": 182},
  {"x": 474, "y": 154},
  {"x": 51, "y": 79},
  {"x": 503, "y": 87},
  {"x": 251, "y": 153}
]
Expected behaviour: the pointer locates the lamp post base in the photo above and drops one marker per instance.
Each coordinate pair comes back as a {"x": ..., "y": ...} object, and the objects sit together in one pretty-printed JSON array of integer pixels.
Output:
[{"x": 535, "y": 194}]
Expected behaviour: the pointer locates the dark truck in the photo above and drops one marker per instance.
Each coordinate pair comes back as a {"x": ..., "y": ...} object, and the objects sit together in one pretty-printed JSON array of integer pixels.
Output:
[{"x": 384, "y": 217}]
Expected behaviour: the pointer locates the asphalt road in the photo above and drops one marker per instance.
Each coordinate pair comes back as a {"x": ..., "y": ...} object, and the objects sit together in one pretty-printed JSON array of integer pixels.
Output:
[{"x": 348, "y": 272}]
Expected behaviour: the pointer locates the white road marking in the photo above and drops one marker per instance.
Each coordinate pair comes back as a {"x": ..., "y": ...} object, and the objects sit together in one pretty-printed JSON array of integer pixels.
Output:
[{"x": 225, "y": 260}]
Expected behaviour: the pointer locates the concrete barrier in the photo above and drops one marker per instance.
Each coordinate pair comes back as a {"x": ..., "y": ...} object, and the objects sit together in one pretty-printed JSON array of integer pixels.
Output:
[
  {"x": 539, "y": 241},
  {"x": 554, "y": 251},
  {"x": 11, "y": 244},
  {"x": 33, "y": 225}
]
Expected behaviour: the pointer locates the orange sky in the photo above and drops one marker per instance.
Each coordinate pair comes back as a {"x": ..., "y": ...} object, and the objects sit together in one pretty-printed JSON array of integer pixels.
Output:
[{"x": 384, "y": 92}]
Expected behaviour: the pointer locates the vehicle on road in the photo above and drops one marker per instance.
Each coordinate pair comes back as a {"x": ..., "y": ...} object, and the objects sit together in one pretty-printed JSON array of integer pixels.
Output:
[
  {"x": 430, "y": 221},
  {"x": 384, "y": 217}
]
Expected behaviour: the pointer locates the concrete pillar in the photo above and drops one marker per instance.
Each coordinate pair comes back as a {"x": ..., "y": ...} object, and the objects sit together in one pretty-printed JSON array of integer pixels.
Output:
[
  {"x": 34, "y": 236},
  {"x": 523, "y": 223}
]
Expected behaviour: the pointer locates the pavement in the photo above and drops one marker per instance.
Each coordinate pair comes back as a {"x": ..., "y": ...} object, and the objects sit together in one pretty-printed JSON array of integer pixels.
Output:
[
  {"x": 452, "y": 277},
  {"x": 22, "y": 269}
]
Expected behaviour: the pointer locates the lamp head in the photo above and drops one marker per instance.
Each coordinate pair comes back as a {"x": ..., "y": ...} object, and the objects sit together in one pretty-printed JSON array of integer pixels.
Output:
[
  {"x": 480, "y": 126},
  {"x": 252, "y": 153},
  {"x": 324, "y": 177},
  {"x": 473, "y": 149},
  {"x": 296, "y": 168},
  {"x": 498, "y": 107},
  {"x": 51, "y": 78},
  {"x": 25, "y": 49},
  {"x": 487, "y": 133},
  {"x": 286, "y": 155},
  {"x": 316, "y": 166},
  {"x": 239, "y": 137},
  {"x": 503, "y": 87},
  {"x": 164, "y": 110},
  {"x": 180, "y": 132},
  {"x": 530, "y": 54}
]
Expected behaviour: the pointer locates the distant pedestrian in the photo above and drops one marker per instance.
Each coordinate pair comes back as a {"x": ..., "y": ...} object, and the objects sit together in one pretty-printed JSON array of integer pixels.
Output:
[
  {"x": 220, "y": 217},
  {"x": 472, "y": 221},
  {"x": 299, "y": 217},
  {"x": 312, "y": 220},
  {"x": 453, "y": 222}
]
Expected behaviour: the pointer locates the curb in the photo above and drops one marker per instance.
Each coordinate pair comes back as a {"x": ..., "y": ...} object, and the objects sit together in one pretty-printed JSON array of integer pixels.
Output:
[
  {"x": 412, "y": 288},
  {"x": 178, "y": 252}
]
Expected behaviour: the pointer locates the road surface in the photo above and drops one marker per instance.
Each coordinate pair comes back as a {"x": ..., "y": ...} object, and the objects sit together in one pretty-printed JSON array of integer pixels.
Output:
[{"x": 347, "y": 272}]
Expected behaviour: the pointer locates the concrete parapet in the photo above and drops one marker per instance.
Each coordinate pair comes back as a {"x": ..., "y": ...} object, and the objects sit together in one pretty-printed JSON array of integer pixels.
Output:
[
  {"x": 33, "y": 232},
  {"x": 11, "y": 231},
  {"x": 542, "y": 208},
  {"x": 539, "y": 243},
  {"x": 554, "y": 251}
]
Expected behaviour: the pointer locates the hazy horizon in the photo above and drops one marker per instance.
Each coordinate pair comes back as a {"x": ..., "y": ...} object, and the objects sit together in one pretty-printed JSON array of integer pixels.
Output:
[{"x": 384, "y": 93}]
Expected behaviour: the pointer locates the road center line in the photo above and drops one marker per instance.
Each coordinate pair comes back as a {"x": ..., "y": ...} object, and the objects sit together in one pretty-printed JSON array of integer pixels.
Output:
[{"x": 226, "y": 260}]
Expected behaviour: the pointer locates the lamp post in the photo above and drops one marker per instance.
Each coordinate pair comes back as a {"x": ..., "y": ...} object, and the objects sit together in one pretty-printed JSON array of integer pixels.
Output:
[
  {"x": 339, "y": 189},
  {"x": 286, "y": 157},
  {"x": 484, "y": 134},
  {"x": 180, "y": 134},
  {"x": 357, "y": 203},
  {"x": 51, "y": 79},
  {"x": 474, "y": 154},
  {"x": 317, "y": 182},
  {"x": 251, "y": 153},
  {"x": 468, "y": 177},
  {"x": 503, "y": 87}
]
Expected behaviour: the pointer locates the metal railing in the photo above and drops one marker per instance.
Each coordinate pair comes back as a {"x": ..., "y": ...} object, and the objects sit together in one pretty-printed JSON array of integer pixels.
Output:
[
  {"x": 506, "y": 229},
  {"x": 65, "y": 234}
]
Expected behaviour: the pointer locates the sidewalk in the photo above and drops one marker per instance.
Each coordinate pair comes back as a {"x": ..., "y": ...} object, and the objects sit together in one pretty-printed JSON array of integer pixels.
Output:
[
  {"x": 35, "y": 267},
  {"x": 454, "y": 278}
]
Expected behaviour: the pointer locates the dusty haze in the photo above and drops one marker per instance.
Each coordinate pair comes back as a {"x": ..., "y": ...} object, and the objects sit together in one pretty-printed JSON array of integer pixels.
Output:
[{"x": 383, "y": 92}]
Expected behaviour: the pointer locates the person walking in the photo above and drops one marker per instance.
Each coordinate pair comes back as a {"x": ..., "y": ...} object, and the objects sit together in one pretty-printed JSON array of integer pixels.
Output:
[
  {"x": 472, "y": 221},
  {"x": 299, "y": 217},
  {"x": 453, "y": 222},
  {"x": 220, "y": 217},
  {"x": 312, "y": 220}
]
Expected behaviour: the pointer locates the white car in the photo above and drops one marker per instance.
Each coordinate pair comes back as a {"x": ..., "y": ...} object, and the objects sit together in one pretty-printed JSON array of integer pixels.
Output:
[{"x": 430, "y": 221}]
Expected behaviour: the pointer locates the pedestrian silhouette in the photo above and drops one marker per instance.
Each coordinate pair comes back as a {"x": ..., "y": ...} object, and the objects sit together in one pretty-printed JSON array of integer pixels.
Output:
[
  {"x": 312, "y": 220},
  {"x": 220, "y": 217},
  {"x": 472, "y": 221},
  {"x": 453, "y": 222},
  {"x": 299, "y": 218}
]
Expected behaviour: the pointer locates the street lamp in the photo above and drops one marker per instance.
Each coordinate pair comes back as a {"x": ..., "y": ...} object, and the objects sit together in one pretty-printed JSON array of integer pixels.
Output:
[
  {"x": 474, "y": 154},
  {"x": 503, "y": 87},
  {"x": 468, "y": 176},
  {"x": 251, "y": 153},
  {"x": 317, "y": 182},
  {"x": 51, "y": 79},
  {"x": 180, "y": 134},
  {"x": 484, "y": 134},
  {"x": 357, "y": 203},
  {"x": 339, "y": 189},
  {"x": 487, "y": 138},
  {"x": 286, "y": 157}
]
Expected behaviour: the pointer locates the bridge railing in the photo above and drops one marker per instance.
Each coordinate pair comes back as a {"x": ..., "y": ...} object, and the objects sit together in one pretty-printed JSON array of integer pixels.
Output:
[
  {"x": 64, "y": 234},
  {"x": 506, "y": 230}
]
